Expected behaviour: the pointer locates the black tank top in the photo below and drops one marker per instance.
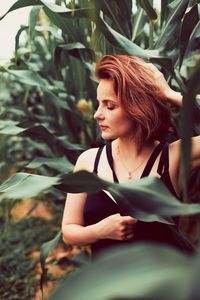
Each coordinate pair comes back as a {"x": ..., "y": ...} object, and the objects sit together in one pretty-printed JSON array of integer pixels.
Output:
[{"x": 99, "y": 206}]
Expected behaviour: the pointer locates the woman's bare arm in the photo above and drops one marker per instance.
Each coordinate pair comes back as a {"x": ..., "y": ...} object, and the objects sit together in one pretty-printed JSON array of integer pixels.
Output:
[{"x": 75, "y": 232}]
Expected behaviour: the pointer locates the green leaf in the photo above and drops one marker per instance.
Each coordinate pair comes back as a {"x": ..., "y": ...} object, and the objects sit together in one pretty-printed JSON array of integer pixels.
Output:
[
  {"x": 78, "y": 50},
  {"x": 150, "y": 11},
  {"x": 24, "y": 185},
  {"x": 138, "y": 24},
  {"x": 45, "y": 249},
  {"x": 140, "y": 271},
  {"x": 60, "y": 164},
  {"x": 17, "y": 37},
  {"x": 33, "y": 19},
  {"x": 149, "y": 197},
  {"x": 28, "y": 77},
  {"x": 82, "y": 181},
  {"x": 193, "y": 88},
  {"x": 53, "y": 7},
  {"x": 193, "y": 37},
  {"x": 128, "y": 47},
  {"x": 33, "y": 79},
  {"x": 190, "y": 20},
  {"x": 20, "y": 4},
  {"x": 146, "y": 199},
  {"x": 164, "y": 12},
  {"x": 10, "y": 127},
  {"x": 50, "y": 29},
  {"x": 173, "y": 21}
]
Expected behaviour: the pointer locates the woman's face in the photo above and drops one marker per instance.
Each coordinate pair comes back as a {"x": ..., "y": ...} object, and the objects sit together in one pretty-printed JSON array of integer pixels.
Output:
[{"x": 111, "y": 117}]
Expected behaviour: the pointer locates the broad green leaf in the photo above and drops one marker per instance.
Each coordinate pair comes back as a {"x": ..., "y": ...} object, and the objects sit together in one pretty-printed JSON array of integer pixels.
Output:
[
  {"x": 190, "y": 20},
  {"x": 10, "y": 127},
  {"x": 140, "y": 271},
  {"x": 33, "y": 79},
  {"x": 24, "y": 185},
  {"x": 146, "y": 199},
  {"x": 193, "y": 87},
  {"x": 137, "y": 25},
  {"x": 82, "y": 181},
  {"x": 45, "y": 249},
  {"x": 33, "y": 19},
  {"x": 78, "y": 50},
  {"x": 60, "y": 164},
  {"x": 20, "y": 4},
  {"x": 128, "y": 47},
  {"x": 173, "y": 21},
  {"x": 193, "y": 37},
  {"x": 119, "y": 14},
  {"x": 149, "y": 196},
  {"x": 50, "y": 29},
  {"x": 28, "y": 77},
  {"x": 56, "y": 102},
  {"x": 66, "y": 12},
  {"x": 51, "y": 6},
  {"x": 164, "y": 12},
  {"x": 150, "y": 11},
  {"x": 17, "y": 37}
]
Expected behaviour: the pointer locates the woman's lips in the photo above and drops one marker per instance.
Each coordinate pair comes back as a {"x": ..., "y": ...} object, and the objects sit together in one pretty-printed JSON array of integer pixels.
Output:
[{"x": 103, "y": 127}]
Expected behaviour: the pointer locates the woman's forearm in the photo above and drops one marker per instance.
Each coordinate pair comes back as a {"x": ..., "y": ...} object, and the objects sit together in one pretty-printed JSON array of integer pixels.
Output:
[{"x": 74, "y": 234}]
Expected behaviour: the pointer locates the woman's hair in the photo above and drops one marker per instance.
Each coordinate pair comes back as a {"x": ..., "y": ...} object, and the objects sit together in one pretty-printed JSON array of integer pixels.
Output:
[{"x": 139, "y": 94}]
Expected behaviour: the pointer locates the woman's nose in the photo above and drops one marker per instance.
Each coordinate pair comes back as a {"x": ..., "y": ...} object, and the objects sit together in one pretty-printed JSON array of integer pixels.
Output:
[{"x": 98, "y": 115}]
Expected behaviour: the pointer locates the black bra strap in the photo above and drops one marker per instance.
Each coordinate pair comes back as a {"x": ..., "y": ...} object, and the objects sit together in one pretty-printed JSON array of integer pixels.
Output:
[
  {"x": 96, "y": 162},
  {"x": 152, "y": 159},
  {"x": 163, "y": 169},
  {"x": 163, "y": 165},
  {"x": 110, "y": 160}
]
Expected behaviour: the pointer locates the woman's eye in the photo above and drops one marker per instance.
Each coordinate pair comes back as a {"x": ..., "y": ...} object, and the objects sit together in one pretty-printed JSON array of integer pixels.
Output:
[{"x": 110, "y": 107}]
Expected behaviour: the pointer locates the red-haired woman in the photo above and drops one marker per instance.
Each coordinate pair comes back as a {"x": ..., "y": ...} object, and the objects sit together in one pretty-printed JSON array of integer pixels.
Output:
[{"x": 132, "y": 113}]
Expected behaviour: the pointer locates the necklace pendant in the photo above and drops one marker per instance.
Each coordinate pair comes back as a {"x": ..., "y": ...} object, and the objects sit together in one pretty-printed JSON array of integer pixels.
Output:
[{"x": 129, "y": 175}]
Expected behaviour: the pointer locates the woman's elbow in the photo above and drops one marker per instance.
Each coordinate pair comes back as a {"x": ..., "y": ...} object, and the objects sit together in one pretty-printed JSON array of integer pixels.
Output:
[{"x": 66, "y": 236}]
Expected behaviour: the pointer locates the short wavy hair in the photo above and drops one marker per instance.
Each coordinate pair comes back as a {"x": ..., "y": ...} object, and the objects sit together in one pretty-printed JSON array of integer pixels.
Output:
[{"x": 139, "y": 94}]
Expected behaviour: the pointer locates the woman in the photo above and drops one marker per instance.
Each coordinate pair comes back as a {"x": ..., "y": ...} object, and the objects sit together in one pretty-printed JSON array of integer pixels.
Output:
[{"x": 132, "y": 113}]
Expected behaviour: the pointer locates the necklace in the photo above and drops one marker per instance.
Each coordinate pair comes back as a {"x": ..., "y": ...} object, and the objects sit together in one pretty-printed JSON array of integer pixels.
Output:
[{"x": 130, "y": 172}]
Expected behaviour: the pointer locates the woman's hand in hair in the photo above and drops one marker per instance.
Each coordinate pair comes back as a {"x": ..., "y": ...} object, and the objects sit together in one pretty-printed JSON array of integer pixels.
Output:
[{"x": 167, "y": 92}]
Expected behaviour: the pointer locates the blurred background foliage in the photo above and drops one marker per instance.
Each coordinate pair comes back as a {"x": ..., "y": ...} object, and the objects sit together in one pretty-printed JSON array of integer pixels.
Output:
[{"x": 48, "y": 96}]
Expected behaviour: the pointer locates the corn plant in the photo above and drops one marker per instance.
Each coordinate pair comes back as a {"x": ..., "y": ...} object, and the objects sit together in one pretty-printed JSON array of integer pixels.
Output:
[{"x": 49, "y": 111}]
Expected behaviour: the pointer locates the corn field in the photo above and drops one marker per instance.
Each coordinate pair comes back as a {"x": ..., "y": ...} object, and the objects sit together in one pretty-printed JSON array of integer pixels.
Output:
[{"x": 48, "y": 97}]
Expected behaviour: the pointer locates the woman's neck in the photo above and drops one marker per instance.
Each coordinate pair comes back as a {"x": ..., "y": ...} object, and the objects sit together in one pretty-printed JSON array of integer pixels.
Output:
[{"x": 130, "y": 148}]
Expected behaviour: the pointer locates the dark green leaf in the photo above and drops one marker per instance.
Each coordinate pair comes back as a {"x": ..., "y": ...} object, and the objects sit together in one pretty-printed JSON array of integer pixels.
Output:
[
  {"x": 20, "y": 4},
  {"x": 190, "y": 20},
  {"x": 173, "y": 21},
  {"x": 24, "y": 185},
  {"x": 28, "y": 77},
  {"x": 78, "y": 50},
  {"x": 186, "y": 123},
  {"x": 45, "y": 249},
  {"x": 140, "y": 271},
  {"x": 128, "y": 47},
  {"x": 51, "y": 6},
  {"x": 50, "y": 29},
  {"x": 17, "y": 37},
  {"x": 10, "y": 127},
  {"x": 33, "y": 19},
  {"x": 150, "y": 11},
  {"x": 60, "y": 164}
]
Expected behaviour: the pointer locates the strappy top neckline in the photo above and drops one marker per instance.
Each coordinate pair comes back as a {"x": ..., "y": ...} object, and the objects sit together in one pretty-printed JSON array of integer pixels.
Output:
[
  {"x": 156, "y": 151},
  {"x": 163, "y": 165}
]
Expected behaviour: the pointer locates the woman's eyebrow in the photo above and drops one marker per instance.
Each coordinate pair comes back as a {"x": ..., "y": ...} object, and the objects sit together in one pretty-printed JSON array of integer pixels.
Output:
[{"x": 106, "y": 100}]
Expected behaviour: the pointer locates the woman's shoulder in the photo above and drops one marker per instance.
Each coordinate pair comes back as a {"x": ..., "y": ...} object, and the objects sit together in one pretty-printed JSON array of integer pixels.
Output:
[{"x": 86, "y": 160}]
